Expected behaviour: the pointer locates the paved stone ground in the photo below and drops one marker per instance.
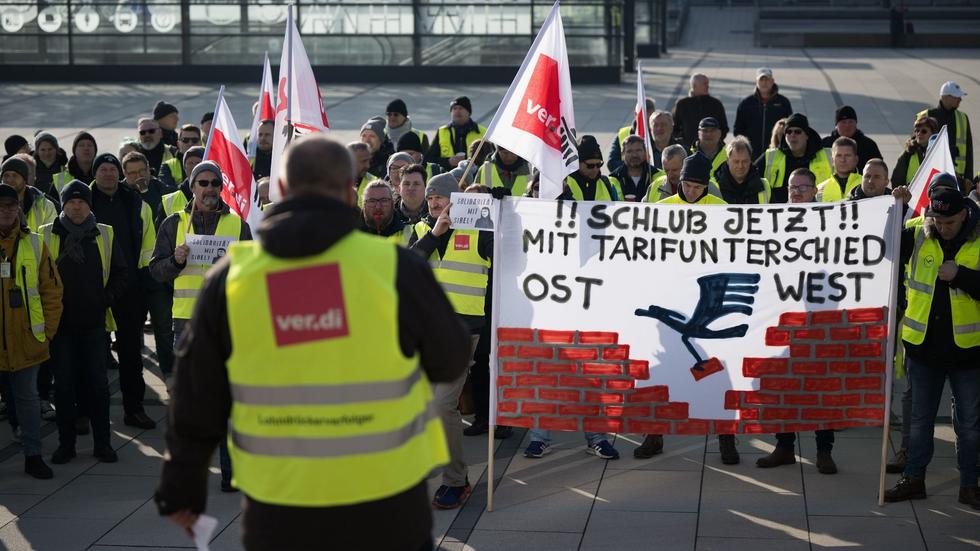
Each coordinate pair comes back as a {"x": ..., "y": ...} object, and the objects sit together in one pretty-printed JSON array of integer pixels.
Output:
[{"x": 683, "y": 499}]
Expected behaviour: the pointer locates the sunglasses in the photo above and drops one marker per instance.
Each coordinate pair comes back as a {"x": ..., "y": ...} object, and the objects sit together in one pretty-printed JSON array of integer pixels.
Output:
[
  {"x": 593, "y": 165},
  {"x": 794, "y": 131},
  {"x": 922, "y": 130},
  {"x": 213, "y": 183},
  {"x": 190, "y": 140},
  {"x": 150, "y": 131}
]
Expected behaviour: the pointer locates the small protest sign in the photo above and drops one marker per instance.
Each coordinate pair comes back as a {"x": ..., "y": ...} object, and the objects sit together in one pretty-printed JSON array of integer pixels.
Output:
[
  {"x": 207, "y": 249},
  {"x": 473, "y": 211}
]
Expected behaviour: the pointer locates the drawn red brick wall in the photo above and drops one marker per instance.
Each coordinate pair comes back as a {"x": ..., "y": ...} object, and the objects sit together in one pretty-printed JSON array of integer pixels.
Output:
[{"x": 832, "y": 376}]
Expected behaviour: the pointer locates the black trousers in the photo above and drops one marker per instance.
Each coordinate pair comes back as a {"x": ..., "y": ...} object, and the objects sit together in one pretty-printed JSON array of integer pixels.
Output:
[
  {"x": 78, "y": 363},
  {"x": 130, "y": 315},
  {"x": 825, "y": 440},
  {"x": 480, "y": 377}
]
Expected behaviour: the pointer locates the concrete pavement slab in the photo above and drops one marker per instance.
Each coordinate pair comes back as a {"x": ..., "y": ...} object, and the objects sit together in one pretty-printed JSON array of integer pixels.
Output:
[{"x": 615, "y": 530}]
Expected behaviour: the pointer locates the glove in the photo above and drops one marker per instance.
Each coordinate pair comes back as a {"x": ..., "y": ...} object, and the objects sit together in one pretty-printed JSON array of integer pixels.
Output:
[{"x": 499, "y": 192}]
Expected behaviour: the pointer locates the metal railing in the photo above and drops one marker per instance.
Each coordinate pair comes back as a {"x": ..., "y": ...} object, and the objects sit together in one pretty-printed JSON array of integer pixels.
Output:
[{"x": 335, "y": 33}]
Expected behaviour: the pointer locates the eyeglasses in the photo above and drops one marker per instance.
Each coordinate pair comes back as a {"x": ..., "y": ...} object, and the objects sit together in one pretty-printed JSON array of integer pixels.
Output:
[
  {"x": 377, "y": 202},
  {"x": 593, "y": 165},
  {"x": 800, "y": 189},
  {"x": 190, "y": 140},
  {"x": 794, "y": 131},
  {"x": 150, "y": 131},
  {"x": 205, "y": 183}
]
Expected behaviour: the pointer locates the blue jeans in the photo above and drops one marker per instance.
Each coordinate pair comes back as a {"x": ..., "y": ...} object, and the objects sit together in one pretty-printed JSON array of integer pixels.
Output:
[
  {"x": 23, "y": 386},
  {"x": 927, "y": 390},
  {"x": 592, "y": 438}
]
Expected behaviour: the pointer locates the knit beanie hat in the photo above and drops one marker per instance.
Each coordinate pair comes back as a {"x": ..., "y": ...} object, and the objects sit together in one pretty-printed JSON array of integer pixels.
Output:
[
  {"x": 162, "y": 109},
  {"x": 397, "y": 106},
  {"x": 13, "y": 144},
  {"x": 14, "y": 164},
  {"x": 797, "y": 120},
  {"x": 444, "y": 184},
  {"x": 409, "y": 141},
  {"x": 463, "y": 102},
  {"x": 194, "y": 152},
  {"x": 106, "y": 158},
  {"x": 206, "y": 166},
  {"x": 697, "y": 168},
  {"x": 83, "y": 135},
  {"x": 405, "y": 157},
  {"x": 76, "y": 189},
  {"x": 45, "y": 137},
  {"x": 845, "y": 112},
  {"x": 376, "y": 125},
  {"x": 588, "y": 148}
]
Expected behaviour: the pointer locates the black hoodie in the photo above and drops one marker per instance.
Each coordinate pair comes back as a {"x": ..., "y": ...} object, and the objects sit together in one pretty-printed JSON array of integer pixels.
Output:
[
  {"x": 867, "y": 148},
  {"x": 201, "y": 399},
  {"x": 813, "y": 148}
]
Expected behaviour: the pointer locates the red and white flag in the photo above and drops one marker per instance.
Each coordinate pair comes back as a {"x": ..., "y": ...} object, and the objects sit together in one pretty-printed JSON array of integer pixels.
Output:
[
  {"x": 640, "y": 116},
  {"x": 299, "y": 107},
  {"x": 239, "y": 191},
  {"x": 536, "y": 119},
  {"x": 936, "y": 161},
  {"x": 266, "y": 110}
]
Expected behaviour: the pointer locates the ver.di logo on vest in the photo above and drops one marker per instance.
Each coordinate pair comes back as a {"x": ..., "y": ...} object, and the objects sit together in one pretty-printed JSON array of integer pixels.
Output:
[{"x": 307, "y": 304}]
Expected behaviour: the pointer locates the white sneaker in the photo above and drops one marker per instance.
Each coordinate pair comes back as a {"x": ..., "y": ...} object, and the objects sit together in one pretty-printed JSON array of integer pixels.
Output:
[{"x": 47, "y": 411}]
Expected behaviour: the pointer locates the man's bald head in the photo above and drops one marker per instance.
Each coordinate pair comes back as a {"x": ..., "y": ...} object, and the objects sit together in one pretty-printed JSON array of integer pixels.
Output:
[{"x": 316, "y": 164}]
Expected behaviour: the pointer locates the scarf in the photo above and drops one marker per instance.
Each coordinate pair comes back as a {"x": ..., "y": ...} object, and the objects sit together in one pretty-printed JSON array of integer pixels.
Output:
[{"x": 75, "y": 236}]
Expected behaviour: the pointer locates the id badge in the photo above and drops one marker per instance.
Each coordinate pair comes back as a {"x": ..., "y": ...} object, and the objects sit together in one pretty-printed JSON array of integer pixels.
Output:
[{"x": 5, "y": 270}]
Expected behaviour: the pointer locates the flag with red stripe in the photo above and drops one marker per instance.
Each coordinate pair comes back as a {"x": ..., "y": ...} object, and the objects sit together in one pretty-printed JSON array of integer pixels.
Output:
[
  {"x": 936, "y": 160},
  {"x": 239, "y": 191},
  {"x": 266, "y": 110}
]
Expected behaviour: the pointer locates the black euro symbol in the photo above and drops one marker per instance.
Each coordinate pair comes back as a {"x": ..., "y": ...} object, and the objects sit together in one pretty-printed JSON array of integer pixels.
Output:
[{"x": 721, "y": 295}]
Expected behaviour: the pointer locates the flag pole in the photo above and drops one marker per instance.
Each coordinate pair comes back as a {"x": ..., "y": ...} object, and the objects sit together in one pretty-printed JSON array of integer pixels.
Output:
[
  {"x": 207, "y": 149},
  {"x": 896, "y": 239},
  {"x": 492, "y": 401},
  {"x": 290, "y": 25}
]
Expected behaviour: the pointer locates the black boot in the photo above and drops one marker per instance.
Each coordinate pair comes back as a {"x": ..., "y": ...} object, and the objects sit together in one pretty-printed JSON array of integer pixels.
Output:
[
  {"x": 779, "y": 456},
  {"x": 652, "y": 445},
  {"x": 906, "y": 488},
  {"x": 476, "y": 429},
  {"x": 34, "y": 465},
  {"x": 825, "y": 463},
  {"x": 62, "y": 455},
  {"x": 729, "y": 454},
  {"x": 970, "y": 496}
]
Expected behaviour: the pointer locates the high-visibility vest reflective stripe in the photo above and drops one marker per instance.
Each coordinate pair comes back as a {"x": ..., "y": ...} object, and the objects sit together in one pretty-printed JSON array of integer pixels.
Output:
[
  {"x": 776, "y": 167},
  {"x": 962, "y": 130},
  {"x": 176, "y": 169},
  {"x": 365, "y": 180},
  {"x": 103, "y": 243},
  {"x": 912, "y": 169},
  {"x": 173, "y": 202},
  {"x": 61, "y": 179},
  {"x": 26, "y": 278},
  {"x": 462, "y": 272},
  {"x": 609, "y": 191},
  {"x": 708, "y": 199},
  {"x": 188, "y": 283},
  {"x": 446, "y": 140},
  {"x": 490, "y": 177},
  {"x": 325, "y": 421},
  {"x": 923, "y": 272},
  {"x": 829, "y": 191},
  {"x": 42, "y": 212},
  {"x": 149, "y": 236}
]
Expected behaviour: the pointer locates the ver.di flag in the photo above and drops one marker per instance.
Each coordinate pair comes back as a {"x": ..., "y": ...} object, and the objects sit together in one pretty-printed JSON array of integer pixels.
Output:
[
  {"x": 641, "y": 119},
  {"x": 239, "y": 191},
  {"x": 936, "y": 161},
  {"x": 299, "y": 107},
  {"x": 266, "y": 110},
  {"x": 536, "y": 119}
]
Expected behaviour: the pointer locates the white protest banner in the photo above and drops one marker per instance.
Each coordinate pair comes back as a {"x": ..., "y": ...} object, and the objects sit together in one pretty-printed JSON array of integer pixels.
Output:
[
  {"x": 473, "y": 211},
  {"x": 205, "y": 250},
  {"x": 677, "y": 319}
]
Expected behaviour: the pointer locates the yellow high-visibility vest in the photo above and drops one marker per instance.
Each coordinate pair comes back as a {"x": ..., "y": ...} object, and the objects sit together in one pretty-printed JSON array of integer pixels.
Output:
[
  {"x": 820, "y": 165},
  {"x": 829, "y": 191},
  {"x": 927, "y": 256},
  {"x": 608, "y": 191},
  {"x": 326, "y": 409},
  {"x": 27, "y": 267},
  {"x": 104, "y": 244},
  {"x": 962, "y": 130},
  {"x": 446, "y": 140},
  {"x": 461, "y": 271},
  {"x": 188, "y": 283},
  {"x": 490, "y": 177}
]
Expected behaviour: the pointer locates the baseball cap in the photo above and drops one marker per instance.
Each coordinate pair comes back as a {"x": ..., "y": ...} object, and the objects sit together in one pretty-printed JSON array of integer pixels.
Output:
[
  {"x": 708, "y": 122},
  {"x": 763, "y": 72},
  {"x": 950, "y": 88}
]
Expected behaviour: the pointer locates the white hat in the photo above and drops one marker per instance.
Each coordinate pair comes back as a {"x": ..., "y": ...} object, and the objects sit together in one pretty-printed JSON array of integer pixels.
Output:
[
  {"x": 763, "y": 72},
  {"x": 950, "y": 88}
]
